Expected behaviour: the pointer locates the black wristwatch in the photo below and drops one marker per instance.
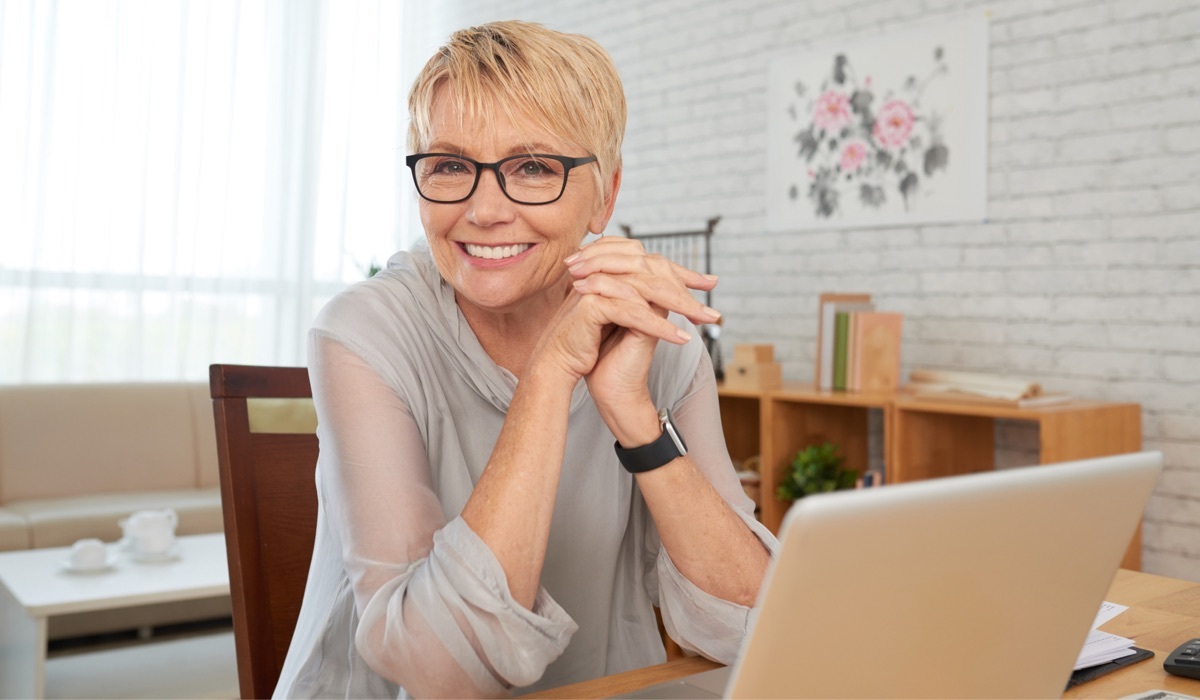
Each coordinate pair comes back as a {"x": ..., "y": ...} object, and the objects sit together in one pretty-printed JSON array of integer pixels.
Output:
[{"x": 667, "y": 447}]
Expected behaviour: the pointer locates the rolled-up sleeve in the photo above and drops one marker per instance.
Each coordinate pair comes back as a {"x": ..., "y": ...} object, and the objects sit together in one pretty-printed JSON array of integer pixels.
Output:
[
  {"x": 453, "y": 608},
  {"x": 435, "y": 612},
  {"x": 696, "y": 620}
]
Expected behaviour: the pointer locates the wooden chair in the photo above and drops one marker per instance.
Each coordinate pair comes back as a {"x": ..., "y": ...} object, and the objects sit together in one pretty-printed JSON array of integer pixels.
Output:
[{"x": 267, "y": 455}]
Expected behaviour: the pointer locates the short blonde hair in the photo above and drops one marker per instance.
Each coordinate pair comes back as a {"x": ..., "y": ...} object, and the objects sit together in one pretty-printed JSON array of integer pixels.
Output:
[{"x": 566, "y": 83}]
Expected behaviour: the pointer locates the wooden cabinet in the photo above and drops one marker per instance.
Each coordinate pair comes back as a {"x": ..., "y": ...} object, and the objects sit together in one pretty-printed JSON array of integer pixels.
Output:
[
  {"x": 921, "y": 439},
  {"x": 790, "y": 419},
  {"x": 936, "y": 438},
  {"x": 741, "y": 420}
]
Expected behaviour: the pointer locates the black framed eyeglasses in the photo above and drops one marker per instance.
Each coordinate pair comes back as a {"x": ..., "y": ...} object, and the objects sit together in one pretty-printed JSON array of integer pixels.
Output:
[{"x": 530, "y": 178}]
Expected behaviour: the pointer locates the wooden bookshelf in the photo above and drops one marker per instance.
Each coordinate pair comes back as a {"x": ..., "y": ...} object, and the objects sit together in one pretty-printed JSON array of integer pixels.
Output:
[
  {"x": 931, "y": 437},
  {"x": 921, "y": 439}
]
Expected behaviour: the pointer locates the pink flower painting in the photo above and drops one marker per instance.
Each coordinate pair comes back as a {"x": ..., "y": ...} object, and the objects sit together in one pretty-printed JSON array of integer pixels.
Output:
[
  {"x": 893, "y": 124},
  {"x": 865, "y": 142},
  {"x": 832, "y": 112},
  {"x": 854, "y": 154}
]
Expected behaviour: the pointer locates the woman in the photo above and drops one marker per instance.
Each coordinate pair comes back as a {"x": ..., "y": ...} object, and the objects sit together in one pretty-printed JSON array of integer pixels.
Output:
[{"x": 477, "y": 531}]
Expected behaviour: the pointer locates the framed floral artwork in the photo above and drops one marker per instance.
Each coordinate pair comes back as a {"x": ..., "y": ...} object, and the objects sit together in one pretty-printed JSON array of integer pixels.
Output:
[{"x": 885, "y": 131}]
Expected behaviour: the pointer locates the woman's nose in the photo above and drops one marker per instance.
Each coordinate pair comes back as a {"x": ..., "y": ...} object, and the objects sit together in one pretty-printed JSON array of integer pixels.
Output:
[{"x": 488, "y": 204}]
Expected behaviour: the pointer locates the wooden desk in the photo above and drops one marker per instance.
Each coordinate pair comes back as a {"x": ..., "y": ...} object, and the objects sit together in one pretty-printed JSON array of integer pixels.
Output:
[
  {"x": 1163, "y": 613},
  {"x": 629, "y": 681}
]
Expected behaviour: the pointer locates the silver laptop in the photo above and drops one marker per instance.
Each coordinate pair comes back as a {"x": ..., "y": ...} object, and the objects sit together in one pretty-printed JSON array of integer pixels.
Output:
[{"x": 983, "y": 585}]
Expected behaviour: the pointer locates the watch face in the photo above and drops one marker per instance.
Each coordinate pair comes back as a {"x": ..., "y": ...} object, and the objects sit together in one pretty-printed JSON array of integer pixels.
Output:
[{"x": 669, "y": 428}]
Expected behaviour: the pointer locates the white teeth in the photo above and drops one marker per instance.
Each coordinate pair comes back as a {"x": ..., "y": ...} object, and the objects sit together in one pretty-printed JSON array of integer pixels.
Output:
[{"x": 498, "y": 252}]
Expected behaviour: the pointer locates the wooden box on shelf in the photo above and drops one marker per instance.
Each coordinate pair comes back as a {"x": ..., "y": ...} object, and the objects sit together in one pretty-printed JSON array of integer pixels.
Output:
[{"x": 753, "y": 367}]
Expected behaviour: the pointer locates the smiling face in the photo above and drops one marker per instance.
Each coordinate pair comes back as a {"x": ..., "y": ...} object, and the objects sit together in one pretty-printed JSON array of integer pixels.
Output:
[{"x": 502, "y": 257}]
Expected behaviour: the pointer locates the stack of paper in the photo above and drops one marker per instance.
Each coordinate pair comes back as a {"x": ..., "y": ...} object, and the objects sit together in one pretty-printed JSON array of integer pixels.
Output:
[
  {"x": 977, "y": 387},
  {"x": 1102, "y": 647},
  {"x": 992, "y": 386}
]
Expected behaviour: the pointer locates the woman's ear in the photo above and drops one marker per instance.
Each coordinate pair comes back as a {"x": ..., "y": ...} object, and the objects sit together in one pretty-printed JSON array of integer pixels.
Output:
[{"x": 600, "y": 219}]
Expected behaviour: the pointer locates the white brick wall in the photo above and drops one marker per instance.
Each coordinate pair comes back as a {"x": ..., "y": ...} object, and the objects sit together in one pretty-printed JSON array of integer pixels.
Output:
[{"x": 1086, "y": 276}]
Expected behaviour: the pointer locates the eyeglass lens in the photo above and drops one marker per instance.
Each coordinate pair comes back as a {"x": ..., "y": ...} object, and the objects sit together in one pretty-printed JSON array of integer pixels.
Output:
[{"x": 527, "y": 178}]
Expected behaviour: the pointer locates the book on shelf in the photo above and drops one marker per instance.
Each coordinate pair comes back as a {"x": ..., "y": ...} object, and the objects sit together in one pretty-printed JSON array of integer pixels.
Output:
[
  {"x": 841, "y": 340},
  {"x": 830, "y": 303},
  {"x": 853, "y": 351},
  {"x": 858, "y": 348},
  {"x": 875, "y": 350}
]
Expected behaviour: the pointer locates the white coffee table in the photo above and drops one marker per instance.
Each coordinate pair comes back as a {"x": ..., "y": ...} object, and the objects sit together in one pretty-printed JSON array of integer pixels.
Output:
[{"x": 34, "y": 587}]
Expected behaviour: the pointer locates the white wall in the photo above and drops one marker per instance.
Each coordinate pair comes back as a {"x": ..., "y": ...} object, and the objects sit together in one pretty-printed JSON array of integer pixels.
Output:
[{"x": 1086, "y": 276}]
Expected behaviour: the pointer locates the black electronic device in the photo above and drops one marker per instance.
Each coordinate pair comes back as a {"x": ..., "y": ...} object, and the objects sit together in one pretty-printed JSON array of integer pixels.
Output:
[
  {"x": 1185, "y": 660},
  {"x": 1091, "y": 673}
]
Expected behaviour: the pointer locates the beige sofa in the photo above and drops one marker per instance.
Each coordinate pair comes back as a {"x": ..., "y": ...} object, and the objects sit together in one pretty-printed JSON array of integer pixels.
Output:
[{"x": 77, "y": 458}]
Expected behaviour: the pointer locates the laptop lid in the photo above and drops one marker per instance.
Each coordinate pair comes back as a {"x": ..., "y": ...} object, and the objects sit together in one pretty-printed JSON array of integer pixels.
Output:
[{"x": 983, "y": 585}]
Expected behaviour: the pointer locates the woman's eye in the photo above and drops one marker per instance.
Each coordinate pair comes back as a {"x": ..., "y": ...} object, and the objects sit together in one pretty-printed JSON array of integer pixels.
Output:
[
  {"x": 534, "y": 168},
  {"x": 451, "y": 167}
]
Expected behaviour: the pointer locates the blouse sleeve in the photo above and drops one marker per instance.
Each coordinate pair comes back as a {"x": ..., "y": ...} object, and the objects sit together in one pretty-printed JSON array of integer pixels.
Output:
[
  {"x": 436, "y": 615},
  {"x": 699, "y": 621}
]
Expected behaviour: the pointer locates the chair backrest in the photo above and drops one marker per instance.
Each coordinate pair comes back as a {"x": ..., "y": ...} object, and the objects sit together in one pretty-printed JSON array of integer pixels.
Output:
[{"x": 267, "y": 455}]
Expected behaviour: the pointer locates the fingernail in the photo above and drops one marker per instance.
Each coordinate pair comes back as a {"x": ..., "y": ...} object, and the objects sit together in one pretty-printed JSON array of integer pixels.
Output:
[
  {"x": 580, "y": 284},
  {"x": 711, "y": 312},
  {"x": 574, "y": 268},
  {"x": 683, "y": 335},
  {"x": 572, "y": 258},
  {"x": 711, "y": 278}
]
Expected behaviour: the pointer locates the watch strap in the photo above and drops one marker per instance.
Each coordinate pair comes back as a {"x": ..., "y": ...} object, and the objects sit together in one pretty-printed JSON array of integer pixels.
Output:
[{"x": 661, "y": 451}]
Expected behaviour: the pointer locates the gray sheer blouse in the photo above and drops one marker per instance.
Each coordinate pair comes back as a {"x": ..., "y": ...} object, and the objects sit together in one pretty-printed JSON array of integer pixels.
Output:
[{"x": 401, "y": 592}]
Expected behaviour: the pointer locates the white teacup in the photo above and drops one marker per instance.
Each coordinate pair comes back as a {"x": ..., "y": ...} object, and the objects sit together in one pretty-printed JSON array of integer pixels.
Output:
[
  {"x": 89, "y": 553},
  {"x": 151, "y": 531}
]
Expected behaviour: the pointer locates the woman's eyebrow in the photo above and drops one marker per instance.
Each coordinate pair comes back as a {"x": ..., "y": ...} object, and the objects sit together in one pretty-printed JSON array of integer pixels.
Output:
[
  {"x": 523, "y": 149},
  {"x": 444, "y": 147},
  {"x": 536, "y": 147}
]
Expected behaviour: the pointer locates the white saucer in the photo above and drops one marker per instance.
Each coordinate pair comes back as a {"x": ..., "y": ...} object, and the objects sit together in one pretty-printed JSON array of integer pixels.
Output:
[
  {"x": 108, "y": 565},
  {"x": 171, "y": 554}
]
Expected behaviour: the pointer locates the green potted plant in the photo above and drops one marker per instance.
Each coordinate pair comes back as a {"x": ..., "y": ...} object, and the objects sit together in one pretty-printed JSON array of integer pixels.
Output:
[{"x": 816, "y": 469}]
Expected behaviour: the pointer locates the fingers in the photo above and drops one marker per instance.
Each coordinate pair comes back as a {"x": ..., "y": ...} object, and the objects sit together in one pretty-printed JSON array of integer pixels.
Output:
[
  {"x": 659, "y": 281},
  {"x": 611, "y": 287},
  {"x": 588, "y": 326},
  {"x": 609, "y": 301},
  {"x": 616, "y": 255}
]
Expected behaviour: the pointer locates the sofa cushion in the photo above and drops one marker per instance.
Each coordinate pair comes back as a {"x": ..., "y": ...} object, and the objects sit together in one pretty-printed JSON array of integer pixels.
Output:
[
  {"x": 14, "y": 531},
  {"x": 57, "y": 522},
  {"x": 60, "y": 440},
  {"x": 204, "y": 428}
]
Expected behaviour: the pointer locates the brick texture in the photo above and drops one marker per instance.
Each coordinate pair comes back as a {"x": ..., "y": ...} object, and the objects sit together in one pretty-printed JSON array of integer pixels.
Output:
[{"x": 1086, "y": 276}]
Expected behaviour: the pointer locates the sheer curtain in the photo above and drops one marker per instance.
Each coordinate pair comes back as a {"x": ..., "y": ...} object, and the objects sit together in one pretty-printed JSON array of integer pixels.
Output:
[{"x": 183, "y": 183}]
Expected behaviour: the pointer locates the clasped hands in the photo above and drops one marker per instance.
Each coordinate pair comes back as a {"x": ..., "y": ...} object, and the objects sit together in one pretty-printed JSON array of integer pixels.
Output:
[{"x": 613, "y": 317}]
